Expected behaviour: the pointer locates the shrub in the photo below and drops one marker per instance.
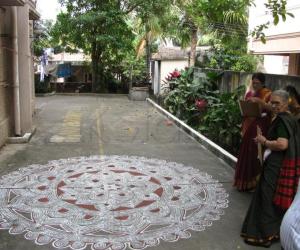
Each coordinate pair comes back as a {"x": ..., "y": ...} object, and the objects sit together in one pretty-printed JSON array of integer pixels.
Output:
[
  {"x": 182, "y": 100},
  {"x": 229, "y": 59},
  {"x": 222, "y": 122},
  {"x": 42, "y": 87},
  {"x": 246, "y": 63},
  {"x": 201, "y": 105}
]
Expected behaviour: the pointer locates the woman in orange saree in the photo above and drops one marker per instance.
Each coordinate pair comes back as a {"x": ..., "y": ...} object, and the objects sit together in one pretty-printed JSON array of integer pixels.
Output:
[{"x": 248, "y": 167}]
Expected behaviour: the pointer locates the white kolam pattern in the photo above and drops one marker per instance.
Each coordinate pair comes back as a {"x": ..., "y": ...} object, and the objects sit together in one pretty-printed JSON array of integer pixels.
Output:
[{"x": 109, "y": 202}]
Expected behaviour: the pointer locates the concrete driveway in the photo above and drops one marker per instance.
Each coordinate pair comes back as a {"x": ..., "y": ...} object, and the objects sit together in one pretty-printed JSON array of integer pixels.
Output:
[{"x": 113, "y": 126}]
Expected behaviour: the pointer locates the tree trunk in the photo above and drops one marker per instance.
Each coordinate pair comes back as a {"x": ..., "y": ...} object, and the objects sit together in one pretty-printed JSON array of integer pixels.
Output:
[
  {"x": 95, "y": 68},
  {"x": 148, "y": 56},
  {"x": 95, "y": 79},
  {"x": 194, "y": 40}
]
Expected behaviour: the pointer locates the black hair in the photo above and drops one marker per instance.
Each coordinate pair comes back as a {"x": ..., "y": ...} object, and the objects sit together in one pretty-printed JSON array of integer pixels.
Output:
[
  {"x": 293, "y": 92},
  {"x": 259, "y": 76}
]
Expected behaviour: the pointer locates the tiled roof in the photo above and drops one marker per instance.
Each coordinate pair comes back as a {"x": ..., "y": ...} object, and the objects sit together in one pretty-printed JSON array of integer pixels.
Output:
[
  {"x": 67, "y": 57},
  {"x": 170, "y": 53},
  {"x": 175, "y": 53}
]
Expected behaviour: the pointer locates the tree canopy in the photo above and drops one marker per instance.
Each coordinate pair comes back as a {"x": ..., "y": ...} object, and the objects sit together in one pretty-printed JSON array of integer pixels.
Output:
[
  {"x": 107, "y": 30},
  {"x": 99, "y": 28}
]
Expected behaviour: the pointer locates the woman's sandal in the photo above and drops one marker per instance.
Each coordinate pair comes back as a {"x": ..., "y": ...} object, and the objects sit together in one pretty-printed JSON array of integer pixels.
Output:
[{"x": 265, "y": 244}]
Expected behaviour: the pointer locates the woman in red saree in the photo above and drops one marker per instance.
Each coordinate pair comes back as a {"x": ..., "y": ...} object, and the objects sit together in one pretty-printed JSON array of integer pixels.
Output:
[{"x": 248, "y": 167}]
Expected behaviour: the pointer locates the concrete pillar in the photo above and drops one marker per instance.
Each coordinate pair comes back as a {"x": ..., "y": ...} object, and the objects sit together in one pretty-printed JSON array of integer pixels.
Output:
[
  {"x": 25, "y": 64},
  {"x": 294, "y": 64},
  {"x": 4, "y": 81},
  {"x": 156, "y": 78},
  {"x": 32, "y": 70}
]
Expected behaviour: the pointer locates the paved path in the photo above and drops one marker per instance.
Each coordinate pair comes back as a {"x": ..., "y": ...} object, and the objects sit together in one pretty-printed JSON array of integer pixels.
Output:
[{"x": 72, "y": 126}]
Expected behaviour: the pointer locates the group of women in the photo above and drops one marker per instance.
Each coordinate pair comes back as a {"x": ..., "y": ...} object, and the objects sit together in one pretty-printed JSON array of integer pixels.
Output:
[{"x": 269, "y": 160}]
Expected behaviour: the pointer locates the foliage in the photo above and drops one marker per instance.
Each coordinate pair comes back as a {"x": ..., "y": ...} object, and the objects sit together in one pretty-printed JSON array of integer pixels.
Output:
[
  {"x": 99, "y": 29},
  {"x": 228, "y": 58},
  {"x": 181, "y": 100},
  {"x": 150, "y": 23},
  {"x": 278, "y": 9},
  {"x": 245, "y": 63},
  {"x": 42, "y": 37},
  {"x": 226, "y": 19},
  {"x": 222, "y": 121},
  {"x": 41, "y": 87},
  {"x": 202, "y": 106},
  {"x": 204, "y": 17},
  {"x": 106, "y": 30},
  {"x": 133, "y": 67},
  {"x": 130, "y": 70}
]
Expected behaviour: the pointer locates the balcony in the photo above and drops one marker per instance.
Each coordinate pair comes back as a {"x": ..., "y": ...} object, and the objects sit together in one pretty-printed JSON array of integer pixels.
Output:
[
  {"x": 32, "y": 3},
  {"x": 33, "y": 13},
  {"x": 12, "y": 2}
]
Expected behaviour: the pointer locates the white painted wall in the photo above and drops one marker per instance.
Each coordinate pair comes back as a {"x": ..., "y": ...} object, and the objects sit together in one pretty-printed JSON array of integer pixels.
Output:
[
  {"x": 276, "y": 64},
  {"x": 286, "y": 32},
  {"x": 156, "y": 84},
  {"x": 258, "y": 14},
  {"x": 168, "y": 67}
]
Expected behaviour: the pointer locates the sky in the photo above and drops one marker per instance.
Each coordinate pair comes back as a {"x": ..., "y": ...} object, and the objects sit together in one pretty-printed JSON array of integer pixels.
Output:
[{"x": 48, "y": 8}]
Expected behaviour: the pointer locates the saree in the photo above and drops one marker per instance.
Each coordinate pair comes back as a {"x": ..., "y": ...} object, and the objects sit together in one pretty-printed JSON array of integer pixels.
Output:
[
  {"x": 262, "y": 223},
  {"x": 288, "y": 179},
  {"x": 248, "y": 167}
]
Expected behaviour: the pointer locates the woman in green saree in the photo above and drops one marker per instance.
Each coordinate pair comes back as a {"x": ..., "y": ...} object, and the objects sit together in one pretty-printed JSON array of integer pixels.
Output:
[{"x": 278, "y": 182}]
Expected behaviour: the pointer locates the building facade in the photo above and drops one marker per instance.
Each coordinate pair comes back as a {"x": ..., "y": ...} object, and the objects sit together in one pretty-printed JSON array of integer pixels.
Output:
[
  {"x": 282, "y": 47},
  {"x": 16, "y": 68}
]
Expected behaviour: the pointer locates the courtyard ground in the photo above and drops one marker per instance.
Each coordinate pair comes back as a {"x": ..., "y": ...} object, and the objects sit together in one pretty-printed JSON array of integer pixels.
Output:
[{"x": 134, "y": 141}]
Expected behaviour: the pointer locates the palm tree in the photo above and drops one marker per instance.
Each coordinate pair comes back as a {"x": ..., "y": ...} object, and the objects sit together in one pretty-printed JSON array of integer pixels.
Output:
[
  {"x": 151, "y": 27},
  {"x": 147, "y": 30},
  {"x": 208, "y": 17}
]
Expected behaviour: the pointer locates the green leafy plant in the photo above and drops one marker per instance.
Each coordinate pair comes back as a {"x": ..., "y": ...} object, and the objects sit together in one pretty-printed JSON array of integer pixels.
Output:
[
  {"x": 229, "y": 58},
  {"x": 182, "y": 100},
  {"x": 42, "y": 87},
  {"x": 245, "y": 63},
  {"x": 222, "y": 122},
  {"x": 200, "y": 104}
]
